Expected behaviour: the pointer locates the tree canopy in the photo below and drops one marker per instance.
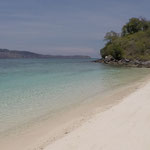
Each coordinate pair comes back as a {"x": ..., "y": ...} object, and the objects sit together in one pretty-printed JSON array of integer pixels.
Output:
[
  {"x": 111, "y": 36},
  {"x": 132, "y": 43},
  {"x": 135, "y": 25}
]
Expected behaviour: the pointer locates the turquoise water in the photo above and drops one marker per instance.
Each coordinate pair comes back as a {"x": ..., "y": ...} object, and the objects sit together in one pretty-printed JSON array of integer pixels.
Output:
[{"x": 30, "y": 88}]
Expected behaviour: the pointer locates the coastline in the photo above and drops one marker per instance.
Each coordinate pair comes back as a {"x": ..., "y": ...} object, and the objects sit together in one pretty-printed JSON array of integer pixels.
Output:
[
  {"x": 109, "y": 60},
  {"x": 123, "y": 126},
  {"x": 44, "y": 132}
]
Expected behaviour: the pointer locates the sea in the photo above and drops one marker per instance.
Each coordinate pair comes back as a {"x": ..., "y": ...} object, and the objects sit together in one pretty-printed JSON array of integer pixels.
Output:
[{"x": 32, "y": 88}]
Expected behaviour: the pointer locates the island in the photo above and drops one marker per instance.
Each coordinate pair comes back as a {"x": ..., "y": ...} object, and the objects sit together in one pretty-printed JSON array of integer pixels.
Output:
[
  {"x": 131, "y": 47},
  {"x": 7, "y": 54}
]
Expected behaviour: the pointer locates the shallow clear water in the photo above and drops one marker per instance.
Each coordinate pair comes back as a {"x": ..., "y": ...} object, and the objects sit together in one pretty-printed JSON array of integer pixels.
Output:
[{"x": 30, "y": 88}]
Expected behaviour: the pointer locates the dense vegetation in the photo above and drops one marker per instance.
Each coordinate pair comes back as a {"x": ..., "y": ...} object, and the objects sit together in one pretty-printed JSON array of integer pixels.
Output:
[{"x": 132, "y": 43}]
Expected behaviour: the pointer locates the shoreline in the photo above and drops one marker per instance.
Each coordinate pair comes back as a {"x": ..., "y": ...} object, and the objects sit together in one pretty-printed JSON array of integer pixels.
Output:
[
  {"x": 109, "y": 60},
  {"x": 45, "y": 132},
  {"x": 124, "y": 126}
]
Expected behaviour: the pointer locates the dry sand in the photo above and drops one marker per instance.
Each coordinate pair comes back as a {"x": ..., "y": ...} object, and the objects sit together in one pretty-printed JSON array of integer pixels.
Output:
[{"x": 125, "y": 126}]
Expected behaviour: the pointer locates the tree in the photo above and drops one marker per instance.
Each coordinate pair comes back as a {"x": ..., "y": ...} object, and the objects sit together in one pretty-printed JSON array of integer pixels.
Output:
[
  {"x": 111, "y": 36},
  {"x": 117, "y": 52},
  {"x": 145, "y": 24},
  {"x": 135, "y": 25},
  {"x": 133, "y": 43},
  {"x": 113, "y": 49}
]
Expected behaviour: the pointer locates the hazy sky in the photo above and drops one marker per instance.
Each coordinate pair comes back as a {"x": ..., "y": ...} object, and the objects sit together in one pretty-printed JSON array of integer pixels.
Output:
[{"x": 65, "y": 27}]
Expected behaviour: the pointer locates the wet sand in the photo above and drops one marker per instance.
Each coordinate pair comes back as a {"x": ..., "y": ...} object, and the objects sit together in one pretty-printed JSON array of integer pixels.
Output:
[{"x": 125, "y": 126}]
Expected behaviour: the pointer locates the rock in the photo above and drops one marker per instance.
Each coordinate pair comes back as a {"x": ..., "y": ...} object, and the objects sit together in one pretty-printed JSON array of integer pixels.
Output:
[
  {"x": 146, "y": 64},
  {"x": 127, "y": 60},
  {"x": 137, "y": 62},
  {"x": 123, "y": 62},
  {"x": 120, "y": 62},
  {"x": 99, "y": 61},
  {"x": 109, "y": 58}
]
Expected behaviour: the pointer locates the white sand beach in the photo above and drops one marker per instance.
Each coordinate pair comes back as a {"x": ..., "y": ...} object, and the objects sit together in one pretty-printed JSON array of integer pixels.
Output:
[
  {"x": 119, "y": 121},
  {"x": 125, "y": 126}
]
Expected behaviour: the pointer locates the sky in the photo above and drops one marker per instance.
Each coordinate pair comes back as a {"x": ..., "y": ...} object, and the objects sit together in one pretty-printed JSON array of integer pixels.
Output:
[{"x": 64, "y": 27}]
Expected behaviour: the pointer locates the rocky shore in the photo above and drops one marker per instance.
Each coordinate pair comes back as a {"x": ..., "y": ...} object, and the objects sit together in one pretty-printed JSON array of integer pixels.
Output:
[{"x": 123, "y": 62}]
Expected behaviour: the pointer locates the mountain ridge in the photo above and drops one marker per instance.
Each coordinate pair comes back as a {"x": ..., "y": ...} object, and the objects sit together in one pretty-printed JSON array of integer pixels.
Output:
[{"x": 6, "y": 54}]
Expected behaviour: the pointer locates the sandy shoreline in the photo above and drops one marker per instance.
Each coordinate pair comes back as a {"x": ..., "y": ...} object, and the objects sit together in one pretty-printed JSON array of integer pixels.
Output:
[
  {"x": 44, "y": 133},
  {"x": 125, "y": 126}
]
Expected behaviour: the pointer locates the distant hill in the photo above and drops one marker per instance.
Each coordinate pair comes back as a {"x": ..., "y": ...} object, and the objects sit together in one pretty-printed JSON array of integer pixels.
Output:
[{"x": 5, "y": 54}]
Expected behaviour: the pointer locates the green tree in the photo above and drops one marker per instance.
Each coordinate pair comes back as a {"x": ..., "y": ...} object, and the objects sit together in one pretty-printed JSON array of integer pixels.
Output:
[
  {"x": 133, "y": 44},
  {"x": 145, "y": 24},
  {"x": 111, "y": 36},
  {"x": 135, "y": 25},
  {"x": 117, "y": 51},
  {"x": 114, "y": 50}
]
